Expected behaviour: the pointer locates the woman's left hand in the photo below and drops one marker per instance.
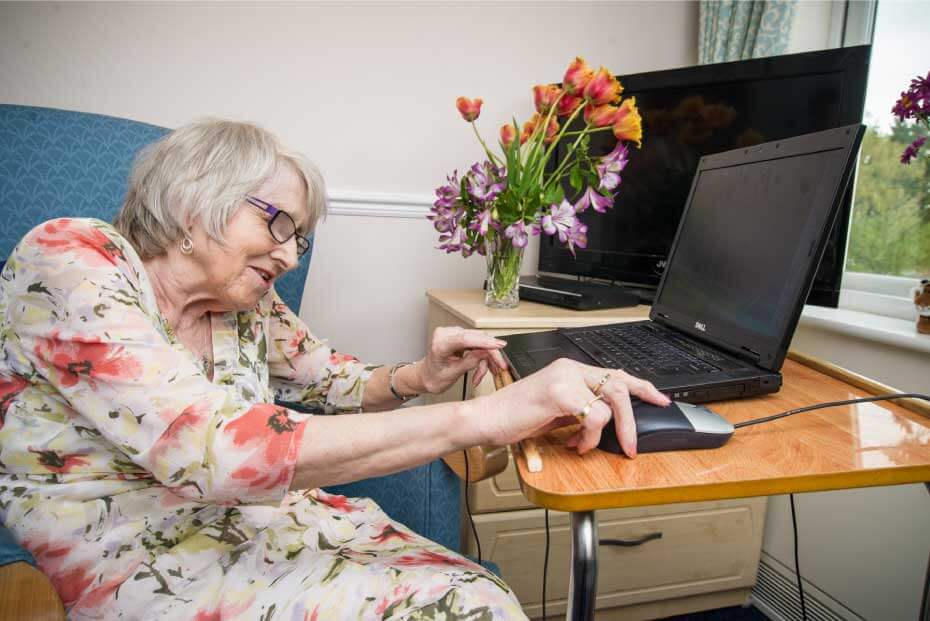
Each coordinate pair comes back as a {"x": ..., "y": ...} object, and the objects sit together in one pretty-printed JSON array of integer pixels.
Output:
[{"x": 455, "y": 351}]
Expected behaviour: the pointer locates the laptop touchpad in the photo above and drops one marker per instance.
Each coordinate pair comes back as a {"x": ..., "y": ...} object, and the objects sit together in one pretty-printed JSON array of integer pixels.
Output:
[{"x": 542, "y": 357}]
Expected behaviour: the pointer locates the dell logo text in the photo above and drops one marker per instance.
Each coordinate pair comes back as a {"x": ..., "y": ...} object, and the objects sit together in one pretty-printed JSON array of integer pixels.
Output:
[{"x": 700, "y": 326}]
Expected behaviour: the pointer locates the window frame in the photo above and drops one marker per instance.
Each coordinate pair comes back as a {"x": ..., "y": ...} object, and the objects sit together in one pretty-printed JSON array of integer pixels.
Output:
[{"x": 853, "y": 23}]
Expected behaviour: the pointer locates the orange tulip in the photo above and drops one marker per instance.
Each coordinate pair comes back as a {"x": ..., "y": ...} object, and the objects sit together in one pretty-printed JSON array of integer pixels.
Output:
[
  {"x": 508, "y": 134},
  {"x": 577, "y": 76},
  {"x": 551, "y": 130},
  {"x": 528, "y": 128},
  {"x": 469, "y": 108},
  {"x": 600, "y": 116},
  {"x": 568, "y": 104},
  {"x": 628, "y": 125},
  {"x": 544, "y": 96},
  {"x": 603, "y": 88}
]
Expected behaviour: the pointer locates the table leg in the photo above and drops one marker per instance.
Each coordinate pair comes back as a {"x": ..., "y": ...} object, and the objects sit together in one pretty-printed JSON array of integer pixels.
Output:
[
  {"x": 925, "y": 601},
  {"x": 582, "y": 583}
]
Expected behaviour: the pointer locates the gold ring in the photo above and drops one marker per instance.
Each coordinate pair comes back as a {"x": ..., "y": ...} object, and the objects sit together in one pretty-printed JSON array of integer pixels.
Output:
[
  {"x": 600, "y": 384},
  {"x": 587, "y": 408}
]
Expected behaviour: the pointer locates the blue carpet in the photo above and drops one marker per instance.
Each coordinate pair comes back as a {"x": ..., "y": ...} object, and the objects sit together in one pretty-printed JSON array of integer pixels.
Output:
[{"x": 734, "y": 613}]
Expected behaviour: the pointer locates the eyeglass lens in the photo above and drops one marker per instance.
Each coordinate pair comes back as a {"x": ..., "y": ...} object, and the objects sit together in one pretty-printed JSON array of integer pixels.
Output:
[{"x": 283, "y": 228}]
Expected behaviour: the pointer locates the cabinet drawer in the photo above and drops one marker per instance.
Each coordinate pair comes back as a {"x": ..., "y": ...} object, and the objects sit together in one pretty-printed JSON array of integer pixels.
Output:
[{"x": 704, "y": 547}]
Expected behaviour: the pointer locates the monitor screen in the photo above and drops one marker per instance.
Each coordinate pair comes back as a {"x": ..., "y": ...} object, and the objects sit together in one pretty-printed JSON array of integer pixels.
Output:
[{"x": 691, "y": 112}]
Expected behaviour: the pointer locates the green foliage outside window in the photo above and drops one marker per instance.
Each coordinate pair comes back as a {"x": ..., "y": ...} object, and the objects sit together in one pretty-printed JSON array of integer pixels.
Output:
[{"x": 890, "y": 229}]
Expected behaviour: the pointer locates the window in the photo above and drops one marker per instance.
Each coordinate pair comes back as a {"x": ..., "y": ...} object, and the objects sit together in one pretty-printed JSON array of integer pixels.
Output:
[{"x": 889, "y": 239}]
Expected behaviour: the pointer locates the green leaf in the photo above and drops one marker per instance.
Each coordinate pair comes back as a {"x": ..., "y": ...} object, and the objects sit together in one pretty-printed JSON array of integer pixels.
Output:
[{"x": 575, "y": 178}]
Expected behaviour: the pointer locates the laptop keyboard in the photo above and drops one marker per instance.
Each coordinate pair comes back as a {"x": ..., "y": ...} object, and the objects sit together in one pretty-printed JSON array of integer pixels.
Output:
[{"x": 637, "y": 349}]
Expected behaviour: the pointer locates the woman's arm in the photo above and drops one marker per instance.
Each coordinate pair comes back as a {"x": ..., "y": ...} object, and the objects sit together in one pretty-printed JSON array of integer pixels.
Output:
[
  {"x": 303, "y": 369},
  {"x": 338, "y": 449}
]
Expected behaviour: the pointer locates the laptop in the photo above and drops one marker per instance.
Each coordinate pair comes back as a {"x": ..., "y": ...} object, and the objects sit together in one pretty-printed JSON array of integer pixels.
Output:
[{"x": 745, "y": 254}]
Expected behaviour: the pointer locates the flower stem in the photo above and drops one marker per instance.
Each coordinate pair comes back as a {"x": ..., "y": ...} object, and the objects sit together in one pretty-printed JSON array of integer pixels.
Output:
[{"x": 491, "y": 155}]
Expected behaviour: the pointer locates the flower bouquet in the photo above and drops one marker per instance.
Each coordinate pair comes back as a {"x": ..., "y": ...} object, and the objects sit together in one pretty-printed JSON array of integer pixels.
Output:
[
  {"x": 494, "y": 207},
  {"x": 914, "y": 103}
]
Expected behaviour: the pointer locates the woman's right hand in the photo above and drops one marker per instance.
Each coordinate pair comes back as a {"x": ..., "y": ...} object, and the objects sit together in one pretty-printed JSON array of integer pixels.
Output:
[{"x": 555, "y": 395}]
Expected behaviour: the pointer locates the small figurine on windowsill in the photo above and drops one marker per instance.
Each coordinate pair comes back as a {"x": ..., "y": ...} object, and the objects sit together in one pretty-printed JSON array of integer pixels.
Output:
[{"x": 922, "y": 302}]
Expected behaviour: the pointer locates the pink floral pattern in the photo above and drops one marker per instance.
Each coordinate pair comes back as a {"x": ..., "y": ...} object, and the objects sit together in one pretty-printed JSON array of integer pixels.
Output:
[{"x": 127, "y": 471}]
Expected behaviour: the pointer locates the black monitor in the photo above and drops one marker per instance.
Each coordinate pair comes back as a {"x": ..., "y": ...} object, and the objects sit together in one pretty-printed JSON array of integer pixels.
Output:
[{"x": 695, "y": 111}]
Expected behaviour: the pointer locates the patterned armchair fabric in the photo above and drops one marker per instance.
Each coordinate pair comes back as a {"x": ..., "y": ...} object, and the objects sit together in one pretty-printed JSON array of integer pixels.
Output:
[{"x": 62, "y": 163}]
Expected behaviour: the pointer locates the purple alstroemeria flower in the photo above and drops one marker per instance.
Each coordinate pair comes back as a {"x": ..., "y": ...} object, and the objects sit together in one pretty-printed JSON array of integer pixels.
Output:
[
  {"x": 446, "y": 195},
  {"x": 452, "y": 241},
  {"x": 482, "y": 222},
  {"x": 516, "y": 232},
  {"x": 577, "y": 236},
  {"x": 911, "y": 151},
  {"x": 610, "y": 167},
  {"x": 559, "y": 220},
  {"x": 594, "y": 199},
  {"x": 484, "y": 182},
  {"x": 445, "y": 220}
]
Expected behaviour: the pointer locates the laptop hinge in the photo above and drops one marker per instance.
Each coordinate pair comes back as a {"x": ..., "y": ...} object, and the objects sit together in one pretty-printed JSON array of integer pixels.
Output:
[{"x": 755, "y": 355}]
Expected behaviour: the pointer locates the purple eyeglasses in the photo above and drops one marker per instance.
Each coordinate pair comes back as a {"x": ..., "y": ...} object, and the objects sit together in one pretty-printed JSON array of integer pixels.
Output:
[{"x": 281, "y": 225}]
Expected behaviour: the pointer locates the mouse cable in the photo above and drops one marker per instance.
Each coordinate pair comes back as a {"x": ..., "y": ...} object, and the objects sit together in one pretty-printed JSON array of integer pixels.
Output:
[
  {"x": 830, "y": 404},
  {"x": 471, "y": 520},
  {"x": 545, "y": 566},
  {"x": 797, "y": 564}
]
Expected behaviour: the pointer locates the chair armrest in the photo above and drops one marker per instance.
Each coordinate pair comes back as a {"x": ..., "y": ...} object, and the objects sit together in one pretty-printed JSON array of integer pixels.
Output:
[
  {"x": 26, "y": 593},
  {"x": 483, "y": 462}
]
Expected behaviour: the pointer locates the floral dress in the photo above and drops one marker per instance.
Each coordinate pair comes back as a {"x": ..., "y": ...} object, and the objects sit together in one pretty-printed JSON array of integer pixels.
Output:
[{"x": 144, "y": 489}]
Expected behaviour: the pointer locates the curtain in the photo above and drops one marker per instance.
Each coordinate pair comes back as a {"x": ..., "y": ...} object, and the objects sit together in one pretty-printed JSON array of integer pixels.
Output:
[{"x": 741, "y": 29}]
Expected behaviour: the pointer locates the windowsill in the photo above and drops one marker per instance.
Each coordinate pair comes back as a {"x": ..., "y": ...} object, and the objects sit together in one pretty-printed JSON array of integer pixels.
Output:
[{"x": 867, "y": 326}]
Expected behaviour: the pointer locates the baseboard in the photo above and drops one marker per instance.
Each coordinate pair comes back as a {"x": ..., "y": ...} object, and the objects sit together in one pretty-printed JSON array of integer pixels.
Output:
[{"x": 776, "y": 596}]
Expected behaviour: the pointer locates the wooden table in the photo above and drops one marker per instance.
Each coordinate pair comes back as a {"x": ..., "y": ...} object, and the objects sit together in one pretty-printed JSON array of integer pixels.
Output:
[{"x": 862, "y": 445}]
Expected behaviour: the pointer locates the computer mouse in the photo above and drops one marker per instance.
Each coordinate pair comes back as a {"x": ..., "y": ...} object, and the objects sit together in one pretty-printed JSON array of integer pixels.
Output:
[{"x": 677, "y": 427}]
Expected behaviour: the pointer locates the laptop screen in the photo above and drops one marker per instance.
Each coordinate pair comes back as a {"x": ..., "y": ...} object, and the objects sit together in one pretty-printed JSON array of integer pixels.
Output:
[{"x": 751, "y": 234}]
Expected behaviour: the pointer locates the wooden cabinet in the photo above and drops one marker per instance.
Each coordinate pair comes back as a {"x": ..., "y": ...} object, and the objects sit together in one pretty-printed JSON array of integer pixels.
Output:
[{"x": 706, "y": 557}]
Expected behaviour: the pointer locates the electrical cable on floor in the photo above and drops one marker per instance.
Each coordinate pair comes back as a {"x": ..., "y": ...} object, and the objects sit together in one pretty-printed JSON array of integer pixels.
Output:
[
  {"x": 545, "y": 566},
  {"x": 474, "y": 531},
  {"x": 471, "y": 520},
  {"x": 830, "y": 404},
  {"x": 797, "y": 564}
]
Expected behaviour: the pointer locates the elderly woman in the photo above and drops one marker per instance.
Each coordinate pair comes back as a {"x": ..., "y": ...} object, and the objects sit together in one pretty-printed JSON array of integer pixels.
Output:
[{"x": 141, "y": 363}]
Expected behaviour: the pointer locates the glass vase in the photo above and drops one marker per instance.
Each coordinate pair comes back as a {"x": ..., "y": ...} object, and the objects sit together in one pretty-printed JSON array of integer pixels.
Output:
[{"x": 503, "y": 283}]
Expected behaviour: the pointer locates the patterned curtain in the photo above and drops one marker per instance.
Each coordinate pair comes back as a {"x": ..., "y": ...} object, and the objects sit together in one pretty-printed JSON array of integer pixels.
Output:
[{"x": 741, "y": 29}]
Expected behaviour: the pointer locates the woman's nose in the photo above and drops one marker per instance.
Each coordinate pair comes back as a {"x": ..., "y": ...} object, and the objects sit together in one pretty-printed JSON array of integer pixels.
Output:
[{"x": 286, "y": 253}]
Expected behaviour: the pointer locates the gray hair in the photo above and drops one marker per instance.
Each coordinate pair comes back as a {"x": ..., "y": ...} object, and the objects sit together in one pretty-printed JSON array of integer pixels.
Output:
[{"x": 204, "y": 171}]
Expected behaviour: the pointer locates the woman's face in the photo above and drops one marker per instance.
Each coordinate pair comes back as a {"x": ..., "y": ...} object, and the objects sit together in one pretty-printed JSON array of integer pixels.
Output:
[{"x": 240, "y": 272}]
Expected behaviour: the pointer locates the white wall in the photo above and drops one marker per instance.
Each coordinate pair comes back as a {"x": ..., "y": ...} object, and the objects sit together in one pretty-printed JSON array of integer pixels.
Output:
[{"x": 367, "y": 90}]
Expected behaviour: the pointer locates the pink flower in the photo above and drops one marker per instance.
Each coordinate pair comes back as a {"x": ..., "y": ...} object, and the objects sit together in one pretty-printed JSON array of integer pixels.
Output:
[
  {"x": 600, "y": 116},
  {"x": 603, "y": 88},
  {"x": 568, "y": 104},
  {"x": 577, "y": 76},
  {"x": 545, "y": 96},
  {"x": 470, "y": 109},
  {"x": 911, "y": 151},
  {"x": 596, "y": 200},
  {"x": 508, "y": 135},
  {"x": 610, "y": 167},
  {"x": 516, "y": 232},
  {"x": 559, "y": 221}
]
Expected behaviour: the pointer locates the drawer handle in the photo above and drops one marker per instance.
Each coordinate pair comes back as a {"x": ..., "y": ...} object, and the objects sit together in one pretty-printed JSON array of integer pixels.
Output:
[{"x": 631, "y": 543}]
